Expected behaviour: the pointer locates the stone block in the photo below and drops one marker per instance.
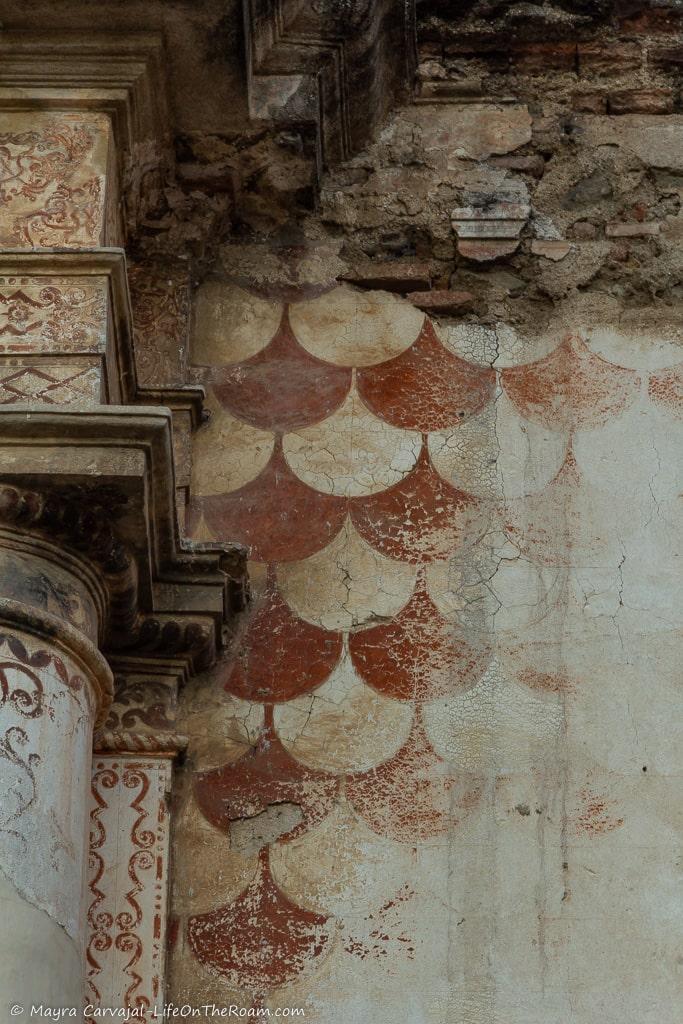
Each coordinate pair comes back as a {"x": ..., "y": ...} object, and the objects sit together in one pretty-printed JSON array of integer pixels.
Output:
[
  {"x": 585, "y": 231},
  {"x": 480, "y": 130},
  {"x": 533, "y": 165},
  {"x": 658, "y": 142},
  {"x": 502, "y": 219}
]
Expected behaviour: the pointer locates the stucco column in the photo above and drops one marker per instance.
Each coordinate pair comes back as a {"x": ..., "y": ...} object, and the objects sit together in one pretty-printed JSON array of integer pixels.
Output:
[{"x": 54, "y": 687}]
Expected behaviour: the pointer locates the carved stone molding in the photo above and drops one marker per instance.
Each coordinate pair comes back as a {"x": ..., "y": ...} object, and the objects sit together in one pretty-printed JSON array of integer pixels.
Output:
[
  {"x": 121, "y": 75},
  {"x": 64, "y": 313},
  {"x": 337, "y": 67},
  {"x": 101, "y": 483},
  {"x": 143, "y": 715}
]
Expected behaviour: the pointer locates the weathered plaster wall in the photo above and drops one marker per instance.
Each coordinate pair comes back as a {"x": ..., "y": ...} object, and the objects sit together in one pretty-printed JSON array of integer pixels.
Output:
[
  {"x": 439, "y": 770},
  {"x": 436, "y": 778}
]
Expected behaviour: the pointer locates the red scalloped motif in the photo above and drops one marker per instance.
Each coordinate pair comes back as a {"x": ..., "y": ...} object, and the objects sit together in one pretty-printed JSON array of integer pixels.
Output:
[
  {"x": 666, "y": 389},
  {"x": 283, "y": 387},
  {"x": 571, "y": 388},
  {"x": 426, "y": 387},
  {"x": 277, "y": 516},
  {"x": 550, "y": 527},
  {"x": 262, "y": 940},
  {"x": 266, "y": 775},
  {"x": 280, "y": 656},
  {"x": 421, "y": 518},
  {"x": 419, "y": 655},
  {"x": 413, "y": 796}
]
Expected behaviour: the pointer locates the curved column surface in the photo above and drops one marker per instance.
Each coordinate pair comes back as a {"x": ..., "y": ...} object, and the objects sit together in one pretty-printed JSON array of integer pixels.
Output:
[{"x": 54, "y": 684}]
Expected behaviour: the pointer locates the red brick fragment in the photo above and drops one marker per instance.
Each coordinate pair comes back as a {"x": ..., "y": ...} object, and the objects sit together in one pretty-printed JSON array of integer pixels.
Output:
[
  {"x": 541, "y": 57},
  {"x": 533, "y": 165},
  {"x": 663, "y": 56},
  {"x": 633, "y": 230},
  {"x": 441, "y": 300},
  {"x": 395, "y": 276},
  {"x": 641, "y": 101},
  {"x": 647, "y": 22},
  {"x": 590, "y": 102},
  {"x": 609, "y": 58}
]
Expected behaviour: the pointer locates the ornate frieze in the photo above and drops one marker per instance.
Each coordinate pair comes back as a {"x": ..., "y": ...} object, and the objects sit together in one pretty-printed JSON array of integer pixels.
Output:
[
  {"x": 64, "y": 328},
  {"x": 51, "y": 314},
  {"x": 53, "y": 179}
]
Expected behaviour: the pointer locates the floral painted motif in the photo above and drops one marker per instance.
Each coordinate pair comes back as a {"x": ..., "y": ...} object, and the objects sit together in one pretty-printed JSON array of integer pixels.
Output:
[
  {"x": 52, "y": 180},
  {"x": 59, "y": 316}
]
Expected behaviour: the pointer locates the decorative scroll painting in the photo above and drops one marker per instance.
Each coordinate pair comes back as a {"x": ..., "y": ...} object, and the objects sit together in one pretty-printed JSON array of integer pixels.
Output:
[
  {"x": 53, "y": 335},
  {"x": 441, "y": 722},
  {"x": 46, "y": 714},
  {"x": 127, "y": 884},
  {"x": 53, "y": 168}
]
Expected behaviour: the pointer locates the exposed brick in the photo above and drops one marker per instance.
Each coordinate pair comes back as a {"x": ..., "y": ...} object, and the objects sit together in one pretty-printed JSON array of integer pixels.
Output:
[
  {"x": 632, "y": 230},
  {"x": 451, "y": 88},
  {"x": 533, "y": 165},
  {"x": 542, "y": 57},
  {"x": 641, "y": 101},
  {"x": 590, "y": 102},
  {"x": 608, "y": 58},
  {"x": 659, "y": 19},
  {"x": 442, "y": 300},
  {"x": 664, "y": 56},
  {"x": 483, "y": 251},
  {"x": 394, "y": 276},
  {"x": 496, "y": 58},
  {"x": 551, "y": 249}
]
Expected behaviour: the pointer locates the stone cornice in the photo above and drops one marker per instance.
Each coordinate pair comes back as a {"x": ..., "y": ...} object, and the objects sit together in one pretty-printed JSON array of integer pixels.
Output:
[
  {"x": 109, "y": 263},
  {"x": 121, "y": 75},
  {"x": 337, "y": 70},
  {"x": 102, "y": 482}
]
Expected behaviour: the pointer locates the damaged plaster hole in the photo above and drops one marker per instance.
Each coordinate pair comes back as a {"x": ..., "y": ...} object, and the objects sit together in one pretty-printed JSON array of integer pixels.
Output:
[{"x": 251, "y": 833}]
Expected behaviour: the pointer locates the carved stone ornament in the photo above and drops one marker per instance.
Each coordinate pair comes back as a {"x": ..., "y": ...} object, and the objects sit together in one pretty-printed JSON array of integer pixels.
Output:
[
  {"x": 337, "y": 67},
  {"x": 101, "y": 485}
]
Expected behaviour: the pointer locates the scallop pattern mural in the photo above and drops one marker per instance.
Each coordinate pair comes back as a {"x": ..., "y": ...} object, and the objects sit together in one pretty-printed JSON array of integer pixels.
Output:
[{"x": 429, "y": 529}]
